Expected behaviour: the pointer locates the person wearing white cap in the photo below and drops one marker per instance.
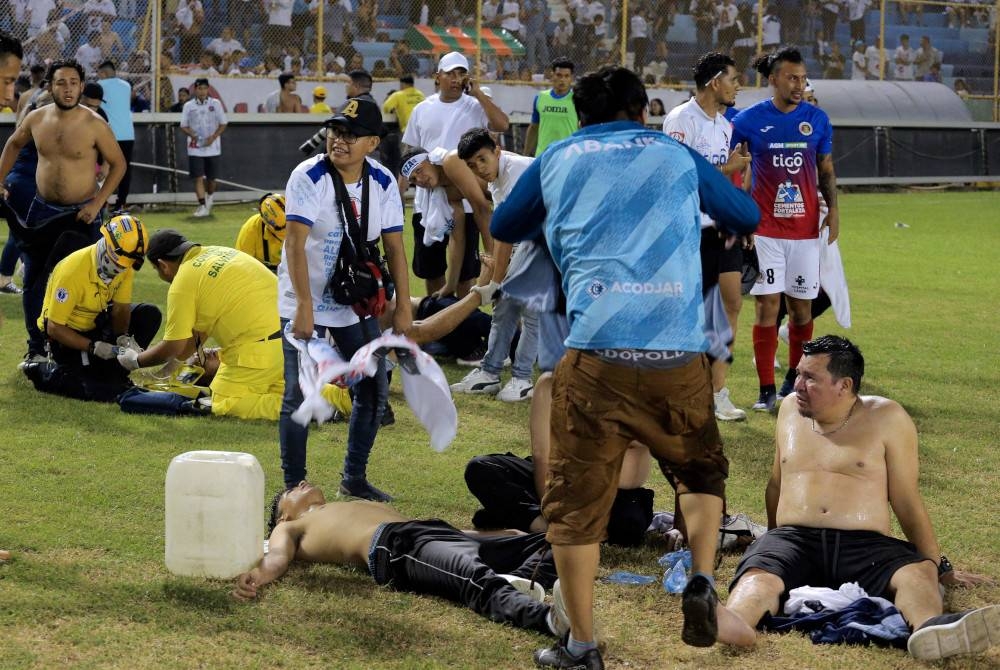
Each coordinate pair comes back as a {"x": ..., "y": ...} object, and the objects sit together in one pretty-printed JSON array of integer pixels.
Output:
[{"x": 439, "y": 122}]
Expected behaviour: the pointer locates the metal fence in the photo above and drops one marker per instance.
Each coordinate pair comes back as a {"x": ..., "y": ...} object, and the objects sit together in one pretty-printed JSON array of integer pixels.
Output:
[{"x": 157, "y": 43}]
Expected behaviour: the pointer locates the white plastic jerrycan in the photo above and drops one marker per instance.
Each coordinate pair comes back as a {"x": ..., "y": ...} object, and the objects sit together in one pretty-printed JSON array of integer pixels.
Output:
[{"x": 214, "y": 514}]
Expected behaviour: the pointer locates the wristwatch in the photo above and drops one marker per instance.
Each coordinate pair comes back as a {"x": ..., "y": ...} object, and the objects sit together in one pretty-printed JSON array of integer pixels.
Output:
[{"x": 945, "y": 566}]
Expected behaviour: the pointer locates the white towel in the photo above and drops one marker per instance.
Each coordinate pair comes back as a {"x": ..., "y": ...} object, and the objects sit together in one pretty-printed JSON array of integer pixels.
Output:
[
  {"x": 832, "y": 279},
  {"x": 438, "y": 218}
]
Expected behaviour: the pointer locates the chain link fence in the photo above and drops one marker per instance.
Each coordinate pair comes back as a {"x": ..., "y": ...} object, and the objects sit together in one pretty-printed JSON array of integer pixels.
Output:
[{"x": 161, "y": 45}]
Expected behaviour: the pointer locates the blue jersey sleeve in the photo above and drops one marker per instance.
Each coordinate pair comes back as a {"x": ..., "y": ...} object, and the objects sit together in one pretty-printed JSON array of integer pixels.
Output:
[
  {"x": 521, "y": 216},
  {"x": 733, "y": 210},
  {"x": 535, "y": 119},
  {"x": 738, "y": 135}
]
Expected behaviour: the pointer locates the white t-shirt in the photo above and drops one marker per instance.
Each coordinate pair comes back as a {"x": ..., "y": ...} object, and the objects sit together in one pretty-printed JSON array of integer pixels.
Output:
[
  {"x": 221, "y": 47},
  {"x": 771, "y": 30},
  {"x": 510, "y": 23},
  {"x": 639, "y": 27},
  {"x": 511, "y": 167},
  {"x": 204, "y": 118},
  {"x": 279, "y": 13},
  {"x": 872, "y": 56},
  {"x": 903, "y": 70},
  {"x": 689, "y": 124},
  {"x": 310, "y": 199},
  {"x": 858, "y": 64},
  {"x": 88, "y": 56}
]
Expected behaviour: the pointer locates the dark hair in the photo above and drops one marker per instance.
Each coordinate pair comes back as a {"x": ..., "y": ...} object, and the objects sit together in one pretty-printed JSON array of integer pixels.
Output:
[
  {"x": 845, "y": 358},
  {"x": 767, "y": 63},
  {"x": 709, "y": 66},
  {"x": 406, "y": 79},
  {"x": 362, "y": 77},
  {"x": 200, "y": 81},
  {"x": 284, "y": 78},
  {"x": 183, "y": 88},
  {"x": 60, "y": 64},
  {"x": 272, "y": 519},
  {"x": 10, "y": 46},
  {"x": 564, "y": 63},
  {"x": 474, "y": 140},
  {"x": 600, "y": 96},
  {"x": 106, "y": 65},
  {"x": 37, "y": 68}
]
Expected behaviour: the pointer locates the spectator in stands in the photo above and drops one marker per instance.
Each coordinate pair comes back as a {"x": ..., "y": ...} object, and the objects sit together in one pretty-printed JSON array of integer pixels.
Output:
[
  {"x": 821, "y": 48},
  {"x": 903, "y": 59},
  {"x": 907, "y": 8},
  {"x": 355, "y": 62},
  {"x": 381, "y": 71},
  {"x": 491, "y": 10},
  {"x": 962, "y": 89},
  {"x": 95, "y": 12},
  {"x": 38, "y": 12},
  {"x": 109, "y": 42},
  {"x": 596, "y": 41},
  {"x": 244, "y": 15},
  {"x": 657, "y": 67},
  {"x": 402, "y": 61},
  {"x": 745, "y": 45},
  {"x": 190, "y": 17},
  {"x": 338, "y": 17},
  {"x": 535, "y": 14},
  {"x": 231, "y": 62},
  {"x": 771, "y": 33},
  {"x": 562, "y": 36},
  {"x": 367, "y": 15},
  {"x": 183, "y": 95},
  {"x": 582, "y": 21},
  {"x": 117, "y": 104},
  {"x": 835, "y": 63},
  {"x": 830, "y": 15},
  {"x": 139, "y": 103},
  {"x": 877, "y": 60},
  {"x": 856, "y": 17},
  {"x": 725, "y": 24},
  {"x": 285, "y": 99},
  {"x": 934, "y": 74},
  {"x": 859, "y": 64},
  {"x": 278, "y": 32},
  {"x": 89, "y": 54},
  {"x": 334, "y": 64},
  {"x": 639, "y": 34},
  {"x": 926, "y": 57},
  {"x": 319, "y": 105},
  {"x": 402, "y": 102},
  {"x": 656, "y": 107},
  {"x": 205, "y": 66},
  {"x": 704, "y": 20},
  {"x": 225, "y": 44}
]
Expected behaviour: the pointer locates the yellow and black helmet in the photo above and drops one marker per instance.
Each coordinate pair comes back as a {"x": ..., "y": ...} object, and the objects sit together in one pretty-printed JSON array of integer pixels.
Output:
[
  {"x": 272, "y": 210},
  {"x": 126, "y": 238}
]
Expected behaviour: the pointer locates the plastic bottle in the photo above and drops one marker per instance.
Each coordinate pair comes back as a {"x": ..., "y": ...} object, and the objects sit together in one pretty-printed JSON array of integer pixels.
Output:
[
  {"x": 667, "y": 560},
  {"x": 629, "y": 578},
  {"x": 214, "y": 514},
  {"x": 675, "y": 579}
]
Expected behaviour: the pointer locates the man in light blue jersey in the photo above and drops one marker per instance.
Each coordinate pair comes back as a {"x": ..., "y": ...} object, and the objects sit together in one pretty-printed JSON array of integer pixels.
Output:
[
  {"x": 618, "y": 205},
  {"x": 117, "y": 104}
]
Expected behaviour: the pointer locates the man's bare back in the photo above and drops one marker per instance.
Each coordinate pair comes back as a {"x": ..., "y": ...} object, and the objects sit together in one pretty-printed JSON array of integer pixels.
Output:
[
  {"x": 289, "y": 102},
  {"x": 837, "y": 480}
]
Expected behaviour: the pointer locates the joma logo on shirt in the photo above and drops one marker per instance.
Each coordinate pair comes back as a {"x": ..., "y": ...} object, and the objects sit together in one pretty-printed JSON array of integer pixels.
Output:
[{"x": 552, "y": 108}]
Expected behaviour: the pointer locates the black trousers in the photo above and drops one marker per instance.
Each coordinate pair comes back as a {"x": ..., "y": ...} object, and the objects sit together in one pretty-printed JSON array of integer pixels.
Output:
[
  {"x": 437, "y": 559},
  {"x": 504, "y": 484},
  {"x": 125, "y": 185}
]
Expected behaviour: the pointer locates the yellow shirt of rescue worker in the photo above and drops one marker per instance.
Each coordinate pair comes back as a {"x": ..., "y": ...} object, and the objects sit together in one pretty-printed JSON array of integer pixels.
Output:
[
  {"x": 401, "y": 103},
  {"x": 224, "y": 293},
  {"x": 75, "y": 295},
  {"x": 257, "y": 239}
]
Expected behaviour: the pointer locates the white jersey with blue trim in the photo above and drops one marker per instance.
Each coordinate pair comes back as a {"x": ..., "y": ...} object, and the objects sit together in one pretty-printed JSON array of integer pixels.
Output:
[
  {"x": 310, "y": 199},
  {"x": 709, "y": 136}
]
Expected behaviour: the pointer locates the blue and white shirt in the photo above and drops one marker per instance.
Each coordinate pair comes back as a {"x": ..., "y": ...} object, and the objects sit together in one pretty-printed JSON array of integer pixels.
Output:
[
  {"x": 619, "y": 206},
  {"x": 310, "y": 199}
]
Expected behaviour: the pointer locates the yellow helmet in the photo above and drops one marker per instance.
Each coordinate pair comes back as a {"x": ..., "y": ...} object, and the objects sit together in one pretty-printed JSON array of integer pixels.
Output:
[
  {"x": 272, "y": 210},
  {"x": 125, "y": 237}
]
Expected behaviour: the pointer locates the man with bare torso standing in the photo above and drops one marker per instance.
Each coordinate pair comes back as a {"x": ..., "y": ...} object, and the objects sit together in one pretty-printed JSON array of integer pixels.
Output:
[
  {"x": 68, "y": 138},
  {"x": 840, "y": 458}
]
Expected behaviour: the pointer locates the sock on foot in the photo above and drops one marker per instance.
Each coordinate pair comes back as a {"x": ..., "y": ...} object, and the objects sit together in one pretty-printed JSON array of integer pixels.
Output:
[
  {"x": 797, "y": 335},
  {"x": 577, "y": 648},
  {"x": 765, "y": 344}
]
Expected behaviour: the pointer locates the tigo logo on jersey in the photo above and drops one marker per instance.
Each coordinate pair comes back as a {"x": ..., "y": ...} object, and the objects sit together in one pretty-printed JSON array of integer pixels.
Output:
[
  {"x": 788, "y": 201},
  {"x": 806, "y": 128},
  {"x": 792, "y": 164}
]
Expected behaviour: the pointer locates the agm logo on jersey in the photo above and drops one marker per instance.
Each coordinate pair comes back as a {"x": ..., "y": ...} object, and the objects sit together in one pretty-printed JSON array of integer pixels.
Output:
[{"x": 791, "y": 164}]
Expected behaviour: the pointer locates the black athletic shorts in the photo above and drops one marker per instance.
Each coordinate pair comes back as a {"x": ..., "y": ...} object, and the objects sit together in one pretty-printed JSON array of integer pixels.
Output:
[
  {"x": 202, "y": 166},
  {"x": 431, "y": 262},
  {"x": 716, "y": 259},
  {"x": 803, "y": 556}
]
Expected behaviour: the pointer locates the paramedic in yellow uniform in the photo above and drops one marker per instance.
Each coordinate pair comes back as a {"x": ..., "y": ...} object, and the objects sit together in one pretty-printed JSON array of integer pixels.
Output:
[
  {"x": 263, "y": 233},
  {"x": 223, "y": 294},
  {"x": 87, "y": 314}
]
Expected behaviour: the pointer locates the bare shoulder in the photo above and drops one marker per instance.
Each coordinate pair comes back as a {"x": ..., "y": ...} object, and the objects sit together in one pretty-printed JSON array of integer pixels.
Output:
[{"x": 882, "y": 407}]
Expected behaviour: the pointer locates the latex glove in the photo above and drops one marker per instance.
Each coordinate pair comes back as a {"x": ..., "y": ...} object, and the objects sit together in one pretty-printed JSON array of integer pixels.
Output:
[
  {"x": 129, "y": 359},
  {"x": 104, "y": 350},
  {"x": 486, "y": 292},
  {"x": 128, "y": 342}
]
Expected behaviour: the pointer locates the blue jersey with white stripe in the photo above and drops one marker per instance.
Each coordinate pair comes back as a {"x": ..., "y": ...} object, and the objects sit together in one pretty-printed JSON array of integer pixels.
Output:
[{"x": 620, "y": 205}]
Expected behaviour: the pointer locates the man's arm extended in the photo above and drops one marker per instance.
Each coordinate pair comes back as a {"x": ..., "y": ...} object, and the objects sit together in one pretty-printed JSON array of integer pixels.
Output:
[
  {"x": 733, "y": 211},
  {"x": 903, "y": 470},
  {"x": 828, "y": 187},
  {"x": 456, "y": 250},
  {"x": 471, "y": 188},
  {"x": 448, "y": 319},
  {"x": 281, "y": 548},
  {"x": 531, "y": 139},
  {"x": 107, "y": 146}
]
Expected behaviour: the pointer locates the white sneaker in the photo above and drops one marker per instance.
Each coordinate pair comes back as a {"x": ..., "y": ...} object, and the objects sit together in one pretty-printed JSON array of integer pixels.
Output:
[
  {"x": 516, "y": 390},
  {"x": 530, "y": 588},
  {"x": 209, "y": 201},
  {"x": 725, "y": 410},
  {"x": 783, "y": 333},
  {"x": 201, "y": 212},
  {"x": 968, "y": 633},
  {"x": 36, "y": 358},
  {"x": 478, "y": 382}
]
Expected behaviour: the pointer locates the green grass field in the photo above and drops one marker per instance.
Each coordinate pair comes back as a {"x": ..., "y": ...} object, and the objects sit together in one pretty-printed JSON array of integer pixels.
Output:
[{"x": 82, "y": 488}]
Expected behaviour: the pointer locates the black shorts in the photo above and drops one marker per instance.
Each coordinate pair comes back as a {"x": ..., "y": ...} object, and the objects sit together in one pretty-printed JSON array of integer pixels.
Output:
[
  {"x": 803, "y": 556},
  {"x": 716, "y": 259},
  {"x": 202, "y": 166},
  {"x": 431, "y": 262}
]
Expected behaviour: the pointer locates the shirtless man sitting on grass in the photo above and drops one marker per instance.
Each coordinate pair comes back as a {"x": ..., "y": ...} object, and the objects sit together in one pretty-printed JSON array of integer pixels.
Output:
[{"x": 842, "y": 460}]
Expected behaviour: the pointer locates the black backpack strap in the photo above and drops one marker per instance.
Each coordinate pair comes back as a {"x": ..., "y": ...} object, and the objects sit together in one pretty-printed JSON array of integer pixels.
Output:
[{"x": 352, "y": 227}]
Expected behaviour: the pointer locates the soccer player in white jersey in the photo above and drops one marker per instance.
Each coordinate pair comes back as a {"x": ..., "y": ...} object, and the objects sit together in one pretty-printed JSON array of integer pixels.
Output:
[
  {"x": 700, "y": 124},
  {"x": 203, "y": 121}
]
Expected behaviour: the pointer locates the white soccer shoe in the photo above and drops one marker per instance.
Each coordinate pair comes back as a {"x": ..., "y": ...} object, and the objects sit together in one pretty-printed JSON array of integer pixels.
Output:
[
  {"x": 201, "y": 212},
  {"x": 725, "y": 410}
]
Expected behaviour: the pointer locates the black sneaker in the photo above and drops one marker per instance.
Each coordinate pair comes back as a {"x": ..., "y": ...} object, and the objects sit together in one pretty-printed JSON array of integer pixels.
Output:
[
  {"x": 388, "y": 416},
  {"x": 556, "y": 656},
  {"x": 11, "y": 288},
  {"x": 788, "y": 386},
  {"x": 952, "y": 634},
  {"x": 701, "y": 628},
  {"x": 767, "y": 400},
  {"x": 360, "y": 488}
]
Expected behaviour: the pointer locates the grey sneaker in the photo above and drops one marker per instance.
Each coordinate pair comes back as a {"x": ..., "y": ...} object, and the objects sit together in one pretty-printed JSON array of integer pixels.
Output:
[
  {"x": 766, "y": 402},
  {"x": 952, "y": 634},
  {"x": 11, "y": 288},
  {"x": 556, "y": 656},
  {"x": 725, "y": 410}
]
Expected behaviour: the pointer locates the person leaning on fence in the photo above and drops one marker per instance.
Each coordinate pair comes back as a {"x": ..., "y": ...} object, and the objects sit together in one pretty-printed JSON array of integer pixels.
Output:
[{"x": 88, "y": 316}]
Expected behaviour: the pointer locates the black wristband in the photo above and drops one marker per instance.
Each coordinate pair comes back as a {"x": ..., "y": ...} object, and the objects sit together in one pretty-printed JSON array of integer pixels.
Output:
[
  {"x": 90, "y": 349},
  {"x": 945, "y": 566}
]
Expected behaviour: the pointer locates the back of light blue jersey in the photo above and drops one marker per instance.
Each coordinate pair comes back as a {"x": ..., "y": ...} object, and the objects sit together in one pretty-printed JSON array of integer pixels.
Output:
[{"x": 623, "y": 226}]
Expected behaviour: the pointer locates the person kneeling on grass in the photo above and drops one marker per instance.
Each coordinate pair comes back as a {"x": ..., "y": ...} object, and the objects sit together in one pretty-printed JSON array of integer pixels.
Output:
[
  {"x": 496, "y": 577},
  {"x": 88, "y": 317},
  {"x": 842, "y": 460}
]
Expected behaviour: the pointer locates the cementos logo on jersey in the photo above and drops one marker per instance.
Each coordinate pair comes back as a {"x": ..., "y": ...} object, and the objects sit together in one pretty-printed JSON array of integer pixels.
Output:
[{"x": 791, "y": 164}]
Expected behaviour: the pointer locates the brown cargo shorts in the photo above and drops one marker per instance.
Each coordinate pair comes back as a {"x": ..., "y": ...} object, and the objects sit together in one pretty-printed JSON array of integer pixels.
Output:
[{"x": 598, "y": 409}]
